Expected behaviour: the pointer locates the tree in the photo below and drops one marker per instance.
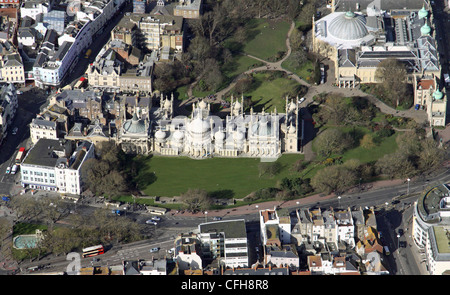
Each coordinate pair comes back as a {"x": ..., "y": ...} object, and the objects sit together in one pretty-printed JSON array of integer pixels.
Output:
[
  {"x": 396, "y": 165},
  {"x": 244, "y": 84},
  {"x": 333, "y": 179},
  {"x": 430, "y": 155},
  {"x": 196, "y": 200},
  {"x": 332, "y": 141},
  {"x": 392, "y": 75}
]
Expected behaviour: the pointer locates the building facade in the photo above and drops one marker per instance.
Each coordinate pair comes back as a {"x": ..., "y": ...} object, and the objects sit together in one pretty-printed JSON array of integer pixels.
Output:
[
  {"x": 55, "y": 165},
  {"x": 431, "y": 225}
]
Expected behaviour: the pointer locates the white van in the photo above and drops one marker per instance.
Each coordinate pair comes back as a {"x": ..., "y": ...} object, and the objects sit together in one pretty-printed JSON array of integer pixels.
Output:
[{"x": 14, "y": 169}]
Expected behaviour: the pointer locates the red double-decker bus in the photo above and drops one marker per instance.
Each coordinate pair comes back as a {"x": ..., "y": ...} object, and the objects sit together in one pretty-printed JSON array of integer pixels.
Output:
[{"x": 93, "y": 251}]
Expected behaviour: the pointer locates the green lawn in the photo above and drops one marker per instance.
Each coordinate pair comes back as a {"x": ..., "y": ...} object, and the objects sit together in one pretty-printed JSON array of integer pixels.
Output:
[
  {"x": 233, "y": 177},
  {"x": 387, "y": 146},
  {"x": 271, "y": 93},
  {"x": 266, "y": 38},
  {"x": 305, "y": 71},
  {"x": 240, "y": 64}
]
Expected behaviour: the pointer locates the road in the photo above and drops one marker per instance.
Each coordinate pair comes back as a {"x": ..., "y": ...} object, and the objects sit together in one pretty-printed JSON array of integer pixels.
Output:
[{"x": 392, "y": 218}]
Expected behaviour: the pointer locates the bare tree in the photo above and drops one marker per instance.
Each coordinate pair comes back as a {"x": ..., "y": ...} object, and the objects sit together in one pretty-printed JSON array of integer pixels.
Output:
[
  {"x": 196, "y": 200},
  {"x": 392, "y": 75}
]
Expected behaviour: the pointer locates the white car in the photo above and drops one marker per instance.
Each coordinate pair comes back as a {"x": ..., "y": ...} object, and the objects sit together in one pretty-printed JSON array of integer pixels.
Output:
[
  {"x": 156, "y": 218},
  {"x": 301, "y": 100},
  {"x": 151, "y": 222},
  {"x": 152, "y": 250},
  {"x": 8, "y": 170}
]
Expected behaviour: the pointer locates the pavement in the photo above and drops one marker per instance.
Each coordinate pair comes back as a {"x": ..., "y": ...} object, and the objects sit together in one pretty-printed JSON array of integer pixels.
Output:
[{"x": 252, "y": 209}]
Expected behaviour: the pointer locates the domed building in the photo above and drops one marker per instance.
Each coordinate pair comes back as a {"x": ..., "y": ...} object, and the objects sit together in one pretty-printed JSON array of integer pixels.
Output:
[
  {"x": 203, "y": 135},
  {"x": 348, "y": 26},
  {"x": 134, "y": 136},
  {"x": 341, "y": 30}
]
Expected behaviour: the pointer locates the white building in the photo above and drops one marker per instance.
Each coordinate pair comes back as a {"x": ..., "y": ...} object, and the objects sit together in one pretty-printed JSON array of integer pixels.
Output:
[
  {"x": 431, "y": 225},
  {"x": 54, "y": 165},
  {"x": 437, "y": 249},
  {"x": 188, "y": 253},
  {"x": 34, "y": 7},
  {"x": 226, "y": 241},
  {"x": 202, "y": 135},
  {"x": 41, "y": 128},
  {"x": 52, "y": 64}
]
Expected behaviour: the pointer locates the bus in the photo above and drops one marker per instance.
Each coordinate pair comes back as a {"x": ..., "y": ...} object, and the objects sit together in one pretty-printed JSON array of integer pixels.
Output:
[
  {"x": 80, "y": 83},
  {"x": 93, "y": 251},
  {"x": 156, "y": 210},
  {"x": 20, "y": 155}
]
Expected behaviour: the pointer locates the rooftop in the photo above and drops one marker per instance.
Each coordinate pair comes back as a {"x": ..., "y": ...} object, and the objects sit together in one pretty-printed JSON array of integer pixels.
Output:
[{"x": 232, "y": 229}]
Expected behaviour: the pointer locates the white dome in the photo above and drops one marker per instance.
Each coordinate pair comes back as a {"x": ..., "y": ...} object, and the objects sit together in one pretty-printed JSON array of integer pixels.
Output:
[
  {"x": 219, "y": 136},
  {"x": 198, "y": 126},
  {"x": 239, "y": 136},
  {"x": 178, "y": 135},
  {"x": 348, "y": 26},
  {"x": 160, "y": 134}
]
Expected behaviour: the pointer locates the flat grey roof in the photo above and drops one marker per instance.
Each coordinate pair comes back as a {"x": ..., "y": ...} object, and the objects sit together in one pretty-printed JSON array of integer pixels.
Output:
[
  {"x": 232, "y": 228},
  {"x": 41, "y": 154}
]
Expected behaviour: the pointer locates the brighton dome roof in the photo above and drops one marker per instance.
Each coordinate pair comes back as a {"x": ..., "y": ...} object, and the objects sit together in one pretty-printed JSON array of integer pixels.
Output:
[{"x": 348, "y": 26}]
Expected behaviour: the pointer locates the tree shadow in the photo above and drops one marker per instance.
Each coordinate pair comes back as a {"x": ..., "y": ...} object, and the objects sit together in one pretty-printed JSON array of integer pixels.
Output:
[{"x": 222, "y": 194}]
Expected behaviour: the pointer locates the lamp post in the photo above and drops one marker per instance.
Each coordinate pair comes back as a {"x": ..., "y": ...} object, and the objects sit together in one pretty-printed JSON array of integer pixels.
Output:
[
  {"x": 339, "y": 201},
  {"x": 206, "y": 216},
  {"x": 398, "y": 241},
  {"x": 408, "y": 186}
]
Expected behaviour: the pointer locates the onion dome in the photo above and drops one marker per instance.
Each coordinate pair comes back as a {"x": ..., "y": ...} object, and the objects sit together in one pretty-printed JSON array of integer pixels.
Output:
[
  {"x": 239, "y": 136},
  {"x": 198, "y": 126},
  {"x": 160, "y": 135},
  {"x": 219, "y": 135},
  {"x": 423, "y": 13},
  {"x": 438, "y": 94},
  {"x": 425, "y": 30},
  {"x": 178, "y": 135},
  {"x": 348, "y": 26}
]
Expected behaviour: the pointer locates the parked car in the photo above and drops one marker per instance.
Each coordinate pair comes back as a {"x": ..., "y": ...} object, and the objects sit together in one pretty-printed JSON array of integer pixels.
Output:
[
  {"x": 153, "y": 250},
  {"x": 8, "y": 170},
  {"x": 156, "y": 218},
  {"x": 151, "y": 222},
  {"x": 217, "y": 218}
]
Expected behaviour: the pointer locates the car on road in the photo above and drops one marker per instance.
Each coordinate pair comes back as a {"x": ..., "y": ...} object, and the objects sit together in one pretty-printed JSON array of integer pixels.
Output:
[
  {"x": 151, "y": 222},
  {"x": 153, "y": 250},
  {"x": 14, "y": 131},
  {"x": 155, "y": 218},
  {"x": 8, "y": 170},
  {"x": 14, "y": 169},
  {"x": 217, "y": 218}
]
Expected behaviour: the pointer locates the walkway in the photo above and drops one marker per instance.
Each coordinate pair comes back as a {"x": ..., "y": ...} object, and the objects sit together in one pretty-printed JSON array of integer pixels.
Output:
[{"x": 252, "y": 209}]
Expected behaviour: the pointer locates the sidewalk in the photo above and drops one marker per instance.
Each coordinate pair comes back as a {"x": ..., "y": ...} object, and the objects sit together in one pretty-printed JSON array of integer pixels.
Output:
[{"x": 255, "y": 208}]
